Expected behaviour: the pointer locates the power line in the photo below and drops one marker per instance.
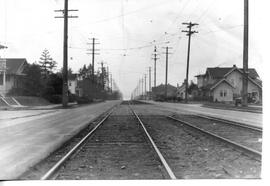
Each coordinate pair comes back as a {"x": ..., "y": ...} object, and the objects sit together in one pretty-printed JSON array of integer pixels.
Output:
[
  {"x": 129, "y": 13},
  {"x": 206, "y": 10},
  {"x": 219, "y": 30}
]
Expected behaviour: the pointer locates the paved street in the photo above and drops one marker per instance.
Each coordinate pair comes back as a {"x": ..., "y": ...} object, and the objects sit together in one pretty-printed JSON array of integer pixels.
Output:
[
  {"x": 238, "y": 116},
  {"x": 26, "y": 137}
]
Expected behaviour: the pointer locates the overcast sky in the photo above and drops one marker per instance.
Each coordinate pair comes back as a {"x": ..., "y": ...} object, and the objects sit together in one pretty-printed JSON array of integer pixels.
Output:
[{"x": 127, "y": 31}]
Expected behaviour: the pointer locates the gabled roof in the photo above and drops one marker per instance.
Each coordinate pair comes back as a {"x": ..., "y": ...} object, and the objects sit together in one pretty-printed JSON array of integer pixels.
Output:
[
  {"x": 220, "y": 72},
  {"x": 14, "y": 65},
  {"x": 252, "y": 76},
  {"x": 219, "y": 82}
]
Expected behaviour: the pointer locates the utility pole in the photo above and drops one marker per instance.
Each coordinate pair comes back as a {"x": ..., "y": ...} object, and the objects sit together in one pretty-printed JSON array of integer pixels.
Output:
[
  {"x": 155, "y": 64},
  {"x": 111, "y": 82},
  {"x": 93, "y": 53},
  {"x": 102, "y": 75},
  {"x": 139, "y": 88},
  {"x": 65, "y": 52},
  {"x": 166, "y": 71},
  {"x": 145, "y": 86},
  {"x": 245, "y": 57},
  {"x": 150, "y": 88},
  {"x": 107, "y": 77},
  {"x": 142, "y": 88},
  {"x": 189, "y": 33}
]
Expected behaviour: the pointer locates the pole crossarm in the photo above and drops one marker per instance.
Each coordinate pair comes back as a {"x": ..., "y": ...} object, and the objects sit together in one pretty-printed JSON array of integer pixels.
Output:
[{"x": 68, "y": 16}]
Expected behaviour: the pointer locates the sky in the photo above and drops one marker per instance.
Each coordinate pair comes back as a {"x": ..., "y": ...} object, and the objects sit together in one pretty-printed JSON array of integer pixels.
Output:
[{"x": 128, "y": 30}]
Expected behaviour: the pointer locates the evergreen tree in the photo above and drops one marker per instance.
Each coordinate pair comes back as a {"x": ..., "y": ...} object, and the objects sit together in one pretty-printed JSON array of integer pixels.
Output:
[{"x": 46, "y": 63}]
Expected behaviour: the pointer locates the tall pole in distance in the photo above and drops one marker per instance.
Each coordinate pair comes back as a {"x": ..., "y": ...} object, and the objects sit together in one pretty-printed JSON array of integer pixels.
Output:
[
  {"x": 245, "y": 57},
  {"x": 142, "y": 88},
  {"x": 111, "y": 83},
  {"x": 93, "y": 53},
  {"x": 102, "y": 75},
  {"x": 93, "y": 59},
  {"x": 145, "y": 86},
  {"x": 65, "y": 52},
  {"x": 189, "y": 33},
  {"x": 139, "y": 88},
  {"x": 150, "y": 88},
  {"x": 155, "y": 66},
  {"x": 166, "y": 72},
  {"x": 107, "y": 77}
]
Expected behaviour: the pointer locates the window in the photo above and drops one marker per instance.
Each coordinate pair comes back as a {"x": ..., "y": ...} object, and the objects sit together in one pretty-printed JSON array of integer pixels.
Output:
[
  {"x": 225, "y": 93},
  {"x": 221, "y": 93}
]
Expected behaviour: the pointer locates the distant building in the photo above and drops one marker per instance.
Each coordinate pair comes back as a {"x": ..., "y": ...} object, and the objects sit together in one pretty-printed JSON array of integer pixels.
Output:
[
  {"x": 72, "y": 83},
  {"x": 225, "y": 84},
  {"x": 10, "y": 73},
  {"x": 159, "y": 92},
  {"x": 181, "y": 91}
]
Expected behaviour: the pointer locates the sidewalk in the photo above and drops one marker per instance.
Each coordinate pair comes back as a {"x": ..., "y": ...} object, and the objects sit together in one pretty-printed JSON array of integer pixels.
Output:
[
  {"x": 26, "y": 139},
  {"x": 249, "y": 108},
  {"x": 249, "y": 118}
]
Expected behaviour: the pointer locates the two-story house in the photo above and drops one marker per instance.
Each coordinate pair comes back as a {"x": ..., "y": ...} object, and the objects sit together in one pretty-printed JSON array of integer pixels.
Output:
[{"x": 225, "y": 84}]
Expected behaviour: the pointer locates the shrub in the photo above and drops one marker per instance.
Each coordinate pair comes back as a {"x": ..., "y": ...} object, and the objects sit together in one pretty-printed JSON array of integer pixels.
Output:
[
  {"x": 56, "y": 99},
  {"x": 83, "y": 100}
]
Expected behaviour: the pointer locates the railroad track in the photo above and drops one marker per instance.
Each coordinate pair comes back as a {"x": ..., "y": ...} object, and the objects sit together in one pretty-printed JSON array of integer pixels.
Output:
[
  {"x": 118, "y": 142},
  {"x": 246, "y": 138},
  {"x": 128, "y": 145},
  {"x": 241, "y": 136}
]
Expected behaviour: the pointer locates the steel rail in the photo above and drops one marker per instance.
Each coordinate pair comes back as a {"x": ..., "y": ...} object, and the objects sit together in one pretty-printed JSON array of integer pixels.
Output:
[
  {"x": 247, "y": 149},
  {"x": 258, "y": 129},
  {"x": 50, "y": 173},
  {"x": 162, "y": 159}
]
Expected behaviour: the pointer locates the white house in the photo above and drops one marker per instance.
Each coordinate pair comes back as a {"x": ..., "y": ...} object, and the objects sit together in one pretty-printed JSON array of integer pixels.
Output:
[
  {"x": 181, "y": 91},
  {"x": 11, "y": 69},
  {"x": 225, "y": 84},
  {"x": 72, "y": 83}
]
